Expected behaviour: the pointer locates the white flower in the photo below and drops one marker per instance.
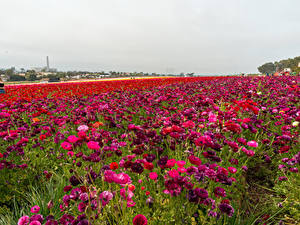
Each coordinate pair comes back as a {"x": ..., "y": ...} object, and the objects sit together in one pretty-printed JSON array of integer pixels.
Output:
[{"x": 295, "y": 124}]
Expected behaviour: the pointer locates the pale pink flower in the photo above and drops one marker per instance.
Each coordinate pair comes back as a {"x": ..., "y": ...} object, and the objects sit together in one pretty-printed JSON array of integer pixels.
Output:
[
  {"x": 83, "y": 128},
  {"x": 212, "y": 118},
  {"x": 253, "y": 144}
]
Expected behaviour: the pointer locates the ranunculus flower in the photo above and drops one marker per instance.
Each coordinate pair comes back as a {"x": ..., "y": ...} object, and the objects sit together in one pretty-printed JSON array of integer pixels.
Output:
[
  {"x": 35, "y": 223},
  {"x": 83, "y": 128},
  {"x": 93, "y": 145},
  {"x": 180, "y": 163},
  {"x": 72, "y": 139},
  {"x": 253, "y": 144},
  {"x": 232, "y": 169},
  {"x": 173, "y": 173},
  {"x": 35, "y": 209},
  {"x": 24, "y": 220},
  {"x": 153, "y": 176},
  {"x": 139, "y": 220},
  {"x": 66, "y": 145}
]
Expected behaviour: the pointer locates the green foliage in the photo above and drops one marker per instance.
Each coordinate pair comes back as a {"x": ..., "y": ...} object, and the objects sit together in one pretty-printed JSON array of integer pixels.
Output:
[
  {"x": 15, "y": 77},
  {"x": 280, "y": 65},
  {"x": 267, "y": 68}
]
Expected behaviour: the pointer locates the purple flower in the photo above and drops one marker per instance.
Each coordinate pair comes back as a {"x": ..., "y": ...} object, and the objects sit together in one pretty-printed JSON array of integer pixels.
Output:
[{"x": 227, "y": 209}]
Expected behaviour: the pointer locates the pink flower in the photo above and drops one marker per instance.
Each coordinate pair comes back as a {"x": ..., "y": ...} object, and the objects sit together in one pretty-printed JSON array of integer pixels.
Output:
[
  {"x": 139, "y": 220},
  {"x": 122, "y": 179},
  {"x": 83, "y": 128},
  {"x": 66, "y": 145},
  {"x": 212, "y": 118},
  {"x": 232, "y": 169},
  {"x": 182, "y": 169},
  {"x": 93, "y": 145},
  {"x": 173, "y": 173},
  {"x": 105, "y": 197},
  {"x": 109, "y": 176},
  {"x": 70, "y": 153},
  {"x": 35, "y": 223},
  {"x": 24, "y": 220},
  {"x": 72, "y": 139},
  {"x": 171, "y": 163},
  {"x": 188, "y": 124},
  {"x": 252, "y": 144},
  {"x": 35, "y": 209},
  {"x": 195, "y": 160},
  {"x": 180, "y": 163},
  {"x": 153, "y": 176}
]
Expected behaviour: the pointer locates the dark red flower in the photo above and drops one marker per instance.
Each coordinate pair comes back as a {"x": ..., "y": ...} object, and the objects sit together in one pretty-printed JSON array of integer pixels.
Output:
[{"x": 139, "y": 220}]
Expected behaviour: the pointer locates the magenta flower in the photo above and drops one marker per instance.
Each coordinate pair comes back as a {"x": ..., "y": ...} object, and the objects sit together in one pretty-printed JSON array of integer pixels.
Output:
[
  {"x": 153, "y": 176},
  {"x": 253, "y": 144},
  {"x": 105, "y": 197},
  {"x": 232, "y": 169},
  {"x": 35, "y": 223},
  {"x": 35, "y": 209},
  {"x": 24, "y": 220},
  {"x": 173, "y": 173},
  {"x": 181, "y": 163},
  {"x": 139, "y": 220},
  {"x": 66, "y": 145},
  {"x": 72, "y": 139},
  {"x": 93, "y": 145},
  {"x": 212, "y": 118}
]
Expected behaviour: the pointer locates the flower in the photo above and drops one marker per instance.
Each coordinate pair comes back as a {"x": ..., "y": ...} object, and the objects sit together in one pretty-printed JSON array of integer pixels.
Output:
[
  {"x": 253, "y": 144},
  {"x": 226, "y": 208},
  {"x": 295, "y": 123},
  {"x": 232, "y": 169},
  {"x": 114, "y": 166},
  {"x": 35, "y": 209},
  {"x": 83, "y": 128},
  {"x": 153, "y": 176},
  {"x": 24, "y": 220},
  {"x": 173, "y": 173},
  {"x": 66, "y": 145},
  {"x": 139, "y": 220},
  {"x": 105, "y": 197},
  {"x": 35, "y": 223},
  {"x": 72, "y": 139},
  {"x": 93, "y": 145},
  {"x": 180, "y": 163},
  {"x": 195, "y": 160}
]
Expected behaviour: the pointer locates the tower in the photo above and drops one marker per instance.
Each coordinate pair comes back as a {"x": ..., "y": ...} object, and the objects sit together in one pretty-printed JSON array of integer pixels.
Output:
[{"x": 48, "y": 68}]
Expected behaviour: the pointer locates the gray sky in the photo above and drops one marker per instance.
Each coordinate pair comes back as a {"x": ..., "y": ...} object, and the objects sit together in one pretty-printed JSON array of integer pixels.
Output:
[{"x": 202, "y": 36}]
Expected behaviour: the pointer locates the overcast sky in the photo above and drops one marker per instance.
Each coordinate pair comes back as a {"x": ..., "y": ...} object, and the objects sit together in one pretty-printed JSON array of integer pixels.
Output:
[{"x": 201, "y": 36}]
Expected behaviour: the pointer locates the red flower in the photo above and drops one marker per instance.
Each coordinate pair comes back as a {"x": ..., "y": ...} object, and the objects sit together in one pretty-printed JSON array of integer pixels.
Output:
[
  {"x": 114, "y": 166},
  {"x": 148, "y": 166},
  {"x": 42, "y": 137},
  {"x": 139, "y": 220}
]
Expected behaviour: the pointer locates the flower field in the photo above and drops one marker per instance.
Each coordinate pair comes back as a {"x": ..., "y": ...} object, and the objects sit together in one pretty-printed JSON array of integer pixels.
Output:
[{"x": 202, "y": 150}]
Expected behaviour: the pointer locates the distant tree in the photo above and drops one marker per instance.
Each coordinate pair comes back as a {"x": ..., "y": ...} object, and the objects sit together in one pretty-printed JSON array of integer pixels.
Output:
[
  {"x": 9, "y": 72},
  {"x": 31, "y": 75},
  {"x": 267, "y": 68},
  {"x": 15, "y": 77},
  {"x": 291, "y": 63}
]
